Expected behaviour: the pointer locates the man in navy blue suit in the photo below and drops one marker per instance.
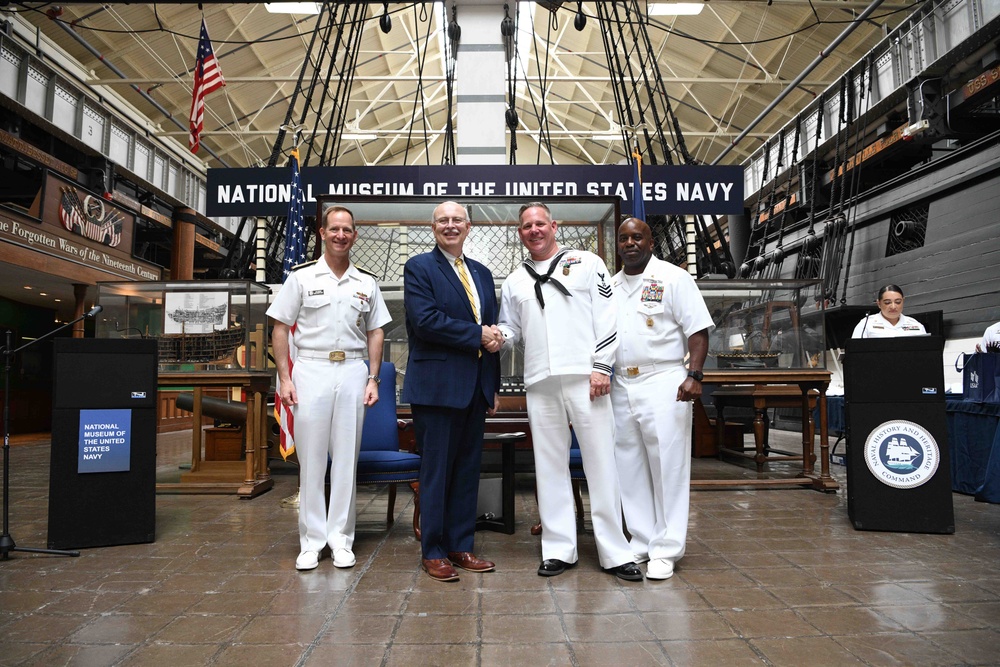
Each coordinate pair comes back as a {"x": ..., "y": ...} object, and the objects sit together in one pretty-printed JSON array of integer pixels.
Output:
[{"x": 451, "y": 383}]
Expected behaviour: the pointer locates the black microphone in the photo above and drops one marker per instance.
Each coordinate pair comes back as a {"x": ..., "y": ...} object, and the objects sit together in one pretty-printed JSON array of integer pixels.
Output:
[
  {"x": 864, "y": 329},
  {"x": 94, "y": 311}
]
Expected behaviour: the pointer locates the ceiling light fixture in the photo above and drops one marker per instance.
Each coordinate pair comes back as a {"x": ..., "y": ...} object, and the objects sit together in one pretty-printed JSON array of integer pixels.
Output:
[
  {"x": 292, "y": 7},
  {"x": 675, "y": 8}
]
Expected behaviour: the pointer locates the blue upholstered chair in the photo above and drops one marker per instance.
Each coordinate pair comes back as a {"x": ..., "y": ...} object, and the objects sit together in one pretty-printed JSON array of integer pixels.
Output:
[{"x": 380, "y": 460}]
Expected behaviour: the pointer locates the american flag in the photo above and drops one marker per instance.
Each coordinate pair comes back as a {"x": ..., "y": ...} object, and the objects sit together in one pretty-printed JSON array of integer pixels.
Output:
[
  {"x": 207, "y": 79},
  {"x": 638, "y": 204},
  {"x": 295, "y": 254}
]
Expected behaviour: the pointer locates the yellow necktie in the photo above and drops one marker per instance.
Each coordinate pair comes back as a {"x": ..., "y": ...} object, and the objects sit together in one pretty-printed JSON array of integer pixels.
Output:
[{"x": 467, "y": 284}]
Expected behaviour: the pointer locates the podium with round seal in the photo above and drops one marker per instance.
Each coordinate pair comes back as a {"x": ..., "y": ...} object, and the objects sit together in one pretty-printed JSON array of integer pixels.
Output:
[{"x": 898, "y": 469}]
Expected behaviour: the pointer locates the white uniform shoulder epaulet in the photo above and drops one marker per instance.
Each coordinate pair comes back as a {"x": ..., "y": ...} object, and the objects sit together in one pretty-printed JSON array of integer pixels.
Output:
[
  {"x": 366, "y": 271},
  {"x": 304, "y": 265}
]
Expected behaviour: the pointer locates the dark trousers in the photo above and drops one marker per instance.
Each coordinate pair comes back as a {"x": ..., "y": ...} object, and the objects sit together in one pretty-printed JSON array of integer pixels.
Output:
[{"x": 451, "y": 449}]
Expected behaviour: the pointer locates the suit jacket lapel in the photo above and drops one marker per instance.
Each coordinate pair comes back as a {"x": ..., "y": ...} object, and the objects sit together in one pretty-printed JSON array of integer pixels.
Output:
[{"x": 449, "y": 274}]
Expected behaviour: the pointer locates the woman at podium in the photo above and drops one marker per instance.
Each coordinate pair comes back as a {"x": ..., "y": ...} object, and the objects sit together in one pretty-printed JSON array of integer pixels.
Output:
[{"x": 889, "y": 322}]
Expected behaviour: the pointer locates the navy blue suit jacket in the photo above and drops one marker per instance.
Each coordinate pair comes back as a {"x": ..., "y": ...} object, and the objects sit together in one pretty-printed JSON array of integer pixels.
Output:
[{"x": 443, "y": 336}]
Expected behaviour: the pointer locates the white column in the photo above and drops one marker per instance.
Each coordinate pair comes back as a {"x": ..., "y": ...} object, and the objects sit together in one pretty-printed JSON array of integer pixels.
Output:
[{"x": 480, "y": 91}]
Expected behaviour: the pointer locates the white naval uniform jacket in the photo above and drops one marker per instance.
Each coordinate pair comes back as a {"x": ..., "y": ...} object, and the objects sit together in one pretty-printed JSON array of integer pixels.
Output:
[
  {"x": 657, "y": 318},
  {"x": 572, "y": 335},
  {"x": 876, "y": 326}
]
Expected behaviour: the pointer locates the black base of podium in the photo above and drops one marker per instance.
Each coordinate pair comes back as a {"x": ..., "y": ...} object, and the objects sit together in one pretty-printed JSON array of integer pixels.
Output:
[{"x": 872, "y": 504}]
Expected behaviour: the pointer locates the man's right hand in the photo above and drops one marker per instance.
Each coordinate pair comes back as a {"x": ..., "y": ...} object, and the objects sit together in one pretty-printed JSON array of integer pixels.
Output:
[
  {"x": 492, "y": 339},
  {"x": 288, "y": 395}
]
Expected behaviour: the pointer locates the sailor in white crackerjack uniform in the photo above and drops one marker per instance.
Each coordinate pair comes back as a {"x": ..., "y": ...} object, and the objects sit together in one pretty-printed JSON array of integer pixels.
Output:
[
  {"x": 338, "y": 314},
  {"x": 561, "y": 304},
  {"x": 661, "y": 318}
]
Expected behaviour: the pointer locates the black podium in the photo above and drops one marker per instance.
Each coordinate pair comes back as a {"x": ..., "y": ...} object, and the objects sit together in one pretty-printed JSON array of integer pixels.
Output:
[
  {"x": 102, "y": 485},
  {"x": 898, "y": 469}
]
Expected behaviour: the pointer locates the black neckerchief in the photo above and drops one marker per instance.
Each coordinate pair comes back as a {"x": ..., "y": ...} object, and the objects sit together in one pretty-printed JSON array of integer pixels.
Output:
[{"x": 547, "y": 278}]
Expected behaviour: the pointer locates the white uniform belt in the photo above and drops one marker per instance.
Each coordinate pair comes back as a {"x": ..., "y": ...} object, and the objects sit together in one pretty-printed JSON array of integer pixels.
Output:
[
  {"x": 643, "y": 369},
  {"x": 333, "y": 355}
]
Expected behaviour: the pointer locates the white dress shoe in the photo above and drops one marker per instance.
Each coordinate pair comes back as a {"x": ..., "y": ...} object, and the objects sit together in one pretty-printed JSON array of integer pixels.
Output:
[
  {"x": 307, "y": 560},
  {"x": 343, "y": 558},
  {"x": 660, "y": 568}
]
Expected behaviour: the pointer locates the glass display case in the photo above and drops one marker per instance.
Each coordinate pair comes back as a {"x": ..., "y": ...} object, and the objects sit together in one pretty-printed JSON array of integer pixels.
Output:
[
  {"x": 761, "y": 324},
  {"x": 199, "y": 325}
]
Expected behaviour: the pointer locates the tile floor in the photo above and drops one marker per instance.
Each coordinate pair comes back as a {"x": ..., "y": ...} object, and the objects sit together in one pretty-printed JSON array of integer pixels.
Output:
[{"x": 776, "y": 577}]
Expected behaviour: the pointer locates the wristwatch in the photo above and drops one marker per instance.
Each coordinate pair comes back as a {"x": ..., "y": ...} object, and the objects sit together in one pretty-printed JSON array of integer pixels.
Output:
[
  {"x": 697, "y": 375},
  {"x": 377, "y": 379}
]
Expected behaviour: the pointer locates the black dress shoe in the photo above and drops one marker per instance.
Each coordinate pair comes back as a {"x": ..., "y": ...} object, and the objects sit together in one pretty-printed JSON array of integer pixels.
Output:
[
  {"x": 550, "y": 567},
  {"x": 626, "y": 571}
]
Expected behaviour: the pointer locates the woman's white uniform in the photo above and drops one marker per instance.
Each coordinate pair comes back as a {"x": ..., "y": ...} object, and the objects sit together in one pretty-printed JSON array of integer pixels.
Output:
[
  {"x": 563, "y": 343},
  {"x": 330, "y": 316},
  {"x": 990, "y": 337},
  {"x": 876, "y": 326},
  {"x": 657, "y": 312}
]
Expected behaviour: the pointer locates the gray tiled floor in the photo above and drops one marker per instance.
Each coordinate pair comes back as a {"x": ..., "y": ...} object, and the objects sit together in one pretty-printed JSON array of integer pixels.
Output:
[{"x": 773, "y": 577}]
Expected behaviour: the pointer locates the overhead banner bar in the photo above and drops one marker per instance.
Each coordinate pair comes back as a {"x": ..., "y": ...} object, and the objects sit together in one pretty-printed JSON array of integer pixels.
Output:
[{"x": 666, "y": 190}]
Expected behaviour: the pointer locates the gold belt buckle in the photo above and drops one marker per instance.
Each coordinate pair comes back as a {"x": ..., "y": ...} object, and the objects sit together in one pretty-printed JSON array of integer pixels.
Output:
[
  {"x": 338, "y": 355},
  {"x": 632, "y": 371}
]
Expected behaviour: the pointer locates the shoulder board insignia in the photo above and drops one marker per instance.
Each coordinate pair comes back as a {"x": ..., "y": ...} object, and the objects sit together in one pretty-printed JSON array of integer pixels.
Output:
[
  {"x": 304, "y": 265},
  {"x": 366, "y": 271}
]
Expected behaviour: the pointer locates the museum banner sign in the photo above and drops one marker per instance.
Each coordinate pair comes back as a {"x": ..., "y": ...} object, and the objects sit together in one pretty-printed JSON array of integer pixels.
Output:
[{"x": 666, "y": 190}]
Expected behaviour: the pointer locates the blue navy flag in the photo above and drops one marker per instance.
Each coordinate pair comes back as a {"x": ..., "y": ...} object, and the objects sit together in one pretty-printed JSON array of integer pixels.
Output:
[
  {"x": 295, "y": 239},
  {"x": 638, "y": 205}
]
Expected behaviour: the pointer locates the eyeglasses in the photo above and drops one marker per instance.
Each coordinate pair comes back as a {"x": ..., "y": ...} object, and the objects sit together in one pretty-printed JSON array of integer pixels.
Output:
[{"x": 445, "y": 221}]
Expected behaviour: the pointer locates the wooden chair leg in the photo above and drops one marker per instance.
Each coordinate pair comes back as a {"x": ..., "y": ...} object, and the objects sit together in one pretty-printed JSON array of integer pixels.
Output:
[
  {"x": 416, "y": 509},
  {"x": 578, "y": 499},
  {"x": 390, "y": 513}
]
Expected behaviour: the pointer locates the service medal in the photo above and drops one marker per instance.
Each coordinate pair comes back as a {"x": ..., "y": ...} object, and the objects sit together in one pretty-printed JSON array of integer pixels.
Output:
[
  {"x": 649, "y": 321},
  {"x": 566, "y": 269}
]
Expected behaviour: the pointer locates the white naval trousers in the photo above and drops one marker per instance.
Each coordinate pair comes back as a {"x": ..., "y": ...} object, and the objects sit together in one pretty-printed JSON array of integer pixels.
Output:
[
  {"x": 552, "y": 404},
  {"x": 328, "y": 420},
  {"x": 653, "y": 453}
]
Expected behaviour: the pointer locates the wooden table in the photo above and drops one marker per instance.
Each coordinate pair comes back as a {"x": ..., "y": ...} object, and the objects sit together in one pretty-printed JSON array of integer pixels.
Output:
[
  {"x": 759, "y": 386},
  {"x": 247, "y": 478},
  {"x": 507, "y": 442}
]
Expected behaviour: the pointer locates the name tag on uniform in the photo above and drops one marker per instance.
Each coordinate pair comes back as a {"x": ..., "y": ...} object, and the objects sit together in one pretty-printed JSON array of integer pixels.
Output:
[{"x": 315, "y": 292}]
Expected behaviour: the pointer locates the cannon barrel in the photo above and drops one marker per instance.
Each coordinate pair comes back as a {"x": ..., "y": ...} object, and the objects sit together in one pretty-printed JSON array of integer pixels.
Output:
[{"x": 216, "y": 408}]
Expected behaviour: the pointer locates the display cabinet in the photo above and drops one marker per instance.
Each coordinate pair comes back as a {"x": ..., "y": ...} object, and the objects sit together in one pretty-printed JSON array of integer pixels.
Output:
[
  {"x": 199, "y": 325},
  {"x": 762, "y": 324},
  {"x": 210, "y": 335}
]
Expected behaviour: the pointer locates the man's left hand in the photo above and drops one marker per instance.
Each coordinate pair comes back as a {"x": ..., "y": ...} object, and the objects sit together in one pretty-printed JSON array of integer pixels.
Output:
[
  {"x": 600, "y": 385},
  {"x": 371, "y": 393},
  {"x": 689, "y": 390}
]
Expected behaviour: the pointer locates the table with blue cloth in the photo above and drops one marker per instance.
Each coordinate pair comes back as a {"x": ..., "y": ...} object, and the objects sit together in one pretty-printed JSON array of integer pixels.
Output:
[{"x": 974, "y": 444}]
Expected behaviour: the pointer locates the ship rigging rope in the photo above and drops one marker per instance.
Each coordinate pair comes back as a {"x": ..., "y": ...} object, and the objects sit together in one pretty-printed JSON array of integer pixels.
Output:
[
  {"x": 418, "y": 93},
  {"x": 856, "y": 174}
]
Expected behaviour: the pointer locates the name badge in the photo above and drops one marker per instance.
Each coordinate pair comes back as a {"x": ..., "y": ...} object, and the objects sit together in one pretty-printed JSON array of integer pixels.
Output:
[{"x": 315, "y": 292}]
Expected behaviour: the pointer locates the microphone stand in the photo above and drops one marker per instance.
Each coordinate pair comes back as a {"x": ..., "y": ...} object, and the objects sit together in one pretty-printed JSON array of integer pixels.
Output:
[{"x": 6, "y": 541}]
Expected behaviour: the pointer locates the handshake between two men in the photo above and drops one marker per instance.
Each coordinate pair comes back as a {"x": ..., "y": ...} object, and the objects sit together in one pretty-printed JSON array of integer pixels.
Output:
[{"x": 492, "y": 338}]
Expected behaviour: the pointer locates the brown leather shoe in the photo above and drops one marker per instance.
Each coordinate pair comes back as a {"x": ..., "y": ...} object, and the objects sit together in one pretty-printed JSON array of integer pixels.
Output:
[
  {"x": 440, "y": 569},
  {"x": 468, "y": 561}
]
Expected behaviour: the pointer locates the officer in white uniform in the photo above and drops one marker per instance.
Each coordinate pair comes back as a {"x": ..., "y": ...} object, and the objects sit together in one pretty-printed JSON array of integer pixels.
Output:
[
  {"x": 991, "y": 340},
  {"x": 661, "y": 317},
  {"x": 561, "y": 304},
  {"x": 889, "y": 322},
  {"x": 338, "y": 314}
]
